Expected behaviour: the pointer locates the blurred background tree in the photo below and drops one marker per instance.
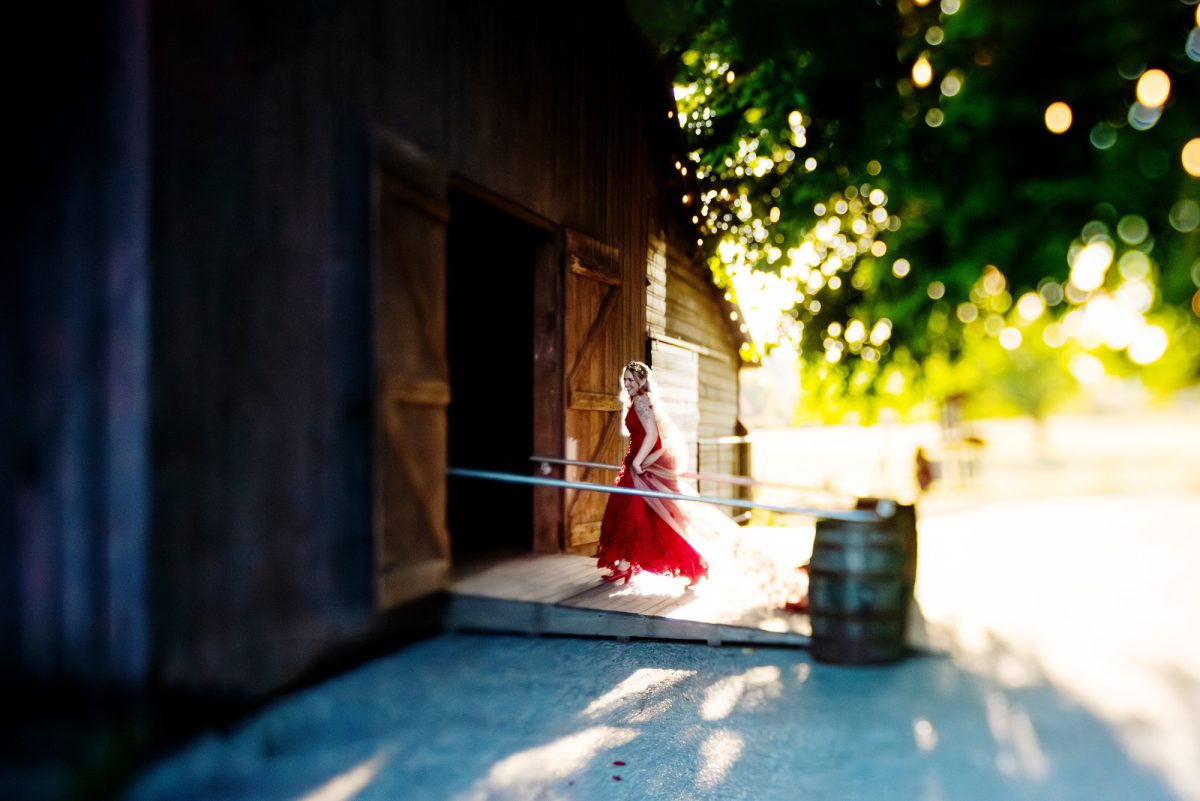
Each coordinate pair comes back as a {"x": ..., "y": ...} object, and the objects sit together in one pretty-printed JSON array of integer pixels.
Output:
[{"x": 925, "y": 198}]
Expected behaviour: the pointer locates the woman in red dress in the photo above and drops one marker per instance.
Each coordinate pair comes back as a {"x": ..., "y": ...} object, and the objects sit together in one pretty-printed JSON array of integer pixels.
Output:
[{"x": 639, "y": 533}]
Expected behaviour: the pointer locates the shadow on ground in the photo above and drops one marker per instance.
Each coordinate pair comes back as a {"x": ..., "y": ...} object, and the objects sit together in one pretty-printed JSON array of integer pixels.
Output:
[{"x": 492, "y": 717}]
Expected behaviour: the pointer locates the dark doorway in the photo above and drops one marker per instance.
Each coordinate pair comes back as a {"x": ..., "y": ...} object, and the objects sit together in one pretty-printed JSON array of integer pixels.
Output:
[{"x": 489, "y": 325}]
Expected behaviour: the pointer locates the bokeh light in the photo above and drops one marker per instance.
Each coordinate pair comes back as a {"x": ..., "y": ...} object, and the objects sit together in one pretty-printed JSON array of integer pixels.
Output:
[
  {"x": 1103, "y": 136},
  {"x": 1193, "y": 44},
  {"x": 1148, "y": 345},
  {"x": 1153, "y": 88},
  {"x": 1086, "y": 368},
  {"x": 1058, "y": 117},
  {"x": 1143, "y": 117},
  {"x": 1091, "y": 265},
  {"x": 1191, "y": 157},
  {"x": 855, "y": 331},
  {"x": 1185, "y": 216},
  {"x": 922, "y": 72},
  {"x": 1030, "y": 306},
  {"x": 1133, "y": 265},
  {"x": 1054, "y": 335},
  {"x": 1133, "y": 229},
  {"x": 1051, "y": 292},
  {"x": 1137, "y": 296},
  {"x": 1107, "y": 315},
  {"x": 1131, "y": 68},
  {"x": 881, "y": 331}
]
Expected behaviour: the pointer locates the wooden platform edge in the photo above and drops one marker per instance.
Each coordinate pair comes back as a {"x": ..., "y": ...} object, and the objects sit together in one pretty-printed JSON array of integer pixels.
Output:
[{"x": 480, "y": 613}]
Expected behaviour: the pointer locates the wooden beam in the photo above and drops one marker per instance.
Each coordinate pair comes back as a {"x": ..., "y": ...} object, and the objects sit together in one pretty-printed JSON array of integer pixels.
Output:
[{"x": 510, "y": 207}]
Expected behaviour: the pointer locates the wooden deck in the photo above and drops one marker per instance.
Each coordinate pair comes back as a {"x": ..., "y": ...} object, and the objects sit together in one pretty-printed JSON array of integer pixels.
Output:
[{"x": 563, "y": 594}]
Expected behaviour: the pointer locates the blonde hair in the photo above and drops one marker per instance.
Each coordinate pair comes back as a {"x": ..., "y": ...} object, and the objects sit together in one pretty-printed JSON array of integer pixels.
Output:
[{"x": 672, "y": 437}]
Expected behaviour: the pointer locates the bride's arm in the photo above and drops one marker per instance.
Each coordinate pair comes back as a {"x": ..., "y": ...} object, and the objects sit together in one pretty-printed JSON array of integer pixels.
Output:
[{"x": 641, "y": 405}]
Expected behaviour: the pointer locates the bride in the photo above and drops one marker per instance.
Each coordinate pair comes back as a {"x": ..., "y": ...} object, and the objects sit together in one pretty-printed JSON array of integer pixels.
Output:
[{"x": 664, "y": 536}]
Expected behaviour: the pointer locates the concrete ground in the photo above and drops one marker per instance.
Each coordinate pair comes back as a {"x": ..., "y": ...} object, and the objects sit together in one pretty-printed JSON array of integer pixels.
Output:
[
  {"x": 1061, "y": 617},
  {"x": 1068, "y": 668}
]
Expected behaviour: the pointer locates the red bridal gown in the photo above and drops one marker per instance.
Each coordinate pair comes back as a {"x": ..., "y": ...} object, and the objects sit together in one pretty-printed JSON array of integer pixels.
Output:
[{"x": 645, "y": 532}]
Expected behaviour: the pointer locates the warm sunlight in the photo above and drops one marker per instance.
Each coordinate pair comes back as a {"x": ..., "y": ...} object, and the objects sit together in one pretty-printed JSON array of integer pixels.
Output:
[
  {"x": 754, "y": 687},
  {"x": 349, "y": 784},
  {"x": 527, "y": 773},
  {"x": 641, "y": 682},
  {"x": 532, "y": 401},
  {"x": 718, "y": 753},
  {"x": 1125, "y": 662}
]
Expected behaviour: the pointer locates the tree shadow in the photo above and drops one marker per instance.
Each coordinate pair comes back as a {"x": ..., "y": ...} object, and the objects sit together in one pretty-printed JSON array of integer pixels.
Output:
[{"x": 487, "y": 717}]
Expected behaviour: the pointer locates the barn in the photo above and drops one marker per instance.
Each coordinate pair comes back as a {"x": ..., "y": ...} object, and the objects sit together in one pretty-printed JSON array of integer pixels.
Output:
[{"x": 283, "y": 265}]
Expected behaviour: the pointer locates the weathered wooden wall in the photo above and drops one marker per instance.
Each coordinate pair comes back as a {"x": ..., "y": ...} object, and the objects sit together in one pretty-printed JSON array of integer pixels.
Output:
[
  {"x": 74, "y": 462},
  {"x": 695, "y": 348},
  {"x": 192, "y": 471},
  {"x": 696, "y": 361},
  {"x": 264, "y": 120}
]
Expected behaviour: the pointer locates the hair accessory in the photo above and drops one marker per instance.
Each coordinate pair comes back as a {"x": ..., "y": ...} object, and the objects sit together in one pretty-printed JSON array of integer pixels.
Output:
[{"x": 638, "y": 369}]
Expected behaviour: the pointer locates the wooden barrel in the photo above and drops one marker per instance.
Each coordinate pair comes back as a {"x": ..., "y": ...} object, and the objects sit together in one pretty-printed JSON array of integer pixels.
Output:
[{"x": 861, "y": 580}]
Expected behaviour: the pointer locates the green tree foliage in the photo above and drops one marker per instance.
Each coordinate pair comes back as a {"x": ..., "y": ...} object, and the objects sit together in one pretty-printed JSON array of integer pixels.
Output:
[{"x": 925, "y": 216}]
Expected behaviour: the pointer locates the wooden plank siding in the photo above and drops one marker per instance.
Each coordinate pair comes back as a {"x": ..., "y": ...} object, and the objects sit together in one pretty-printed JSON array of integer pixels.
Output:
[
  {"x": 255, "y": 304},
  {"x": 656, "y": 287},
  {"x": 694, "y": 349},
  {"x": 263, "y": 376},
  {"x": 677, "y": 374}
]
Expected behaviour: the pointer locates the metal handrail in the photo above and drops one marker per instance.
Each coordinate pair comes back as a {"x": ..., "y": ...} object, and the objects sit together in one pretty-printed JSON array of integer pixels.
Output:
[
  {"x": 549, "y": 460},
  {"x": 731, "y": 439},
  {"x": 883, "y": 511},
  {"x": 719, "y": 478}
]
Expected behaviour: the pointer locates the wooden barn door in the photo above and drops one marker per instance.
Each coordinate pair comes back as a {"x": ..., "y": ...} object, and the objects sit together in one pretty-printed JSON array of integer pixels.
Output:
[
  {"x": 592, "y": 356},
  {"x": 412, "y": 549}
]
